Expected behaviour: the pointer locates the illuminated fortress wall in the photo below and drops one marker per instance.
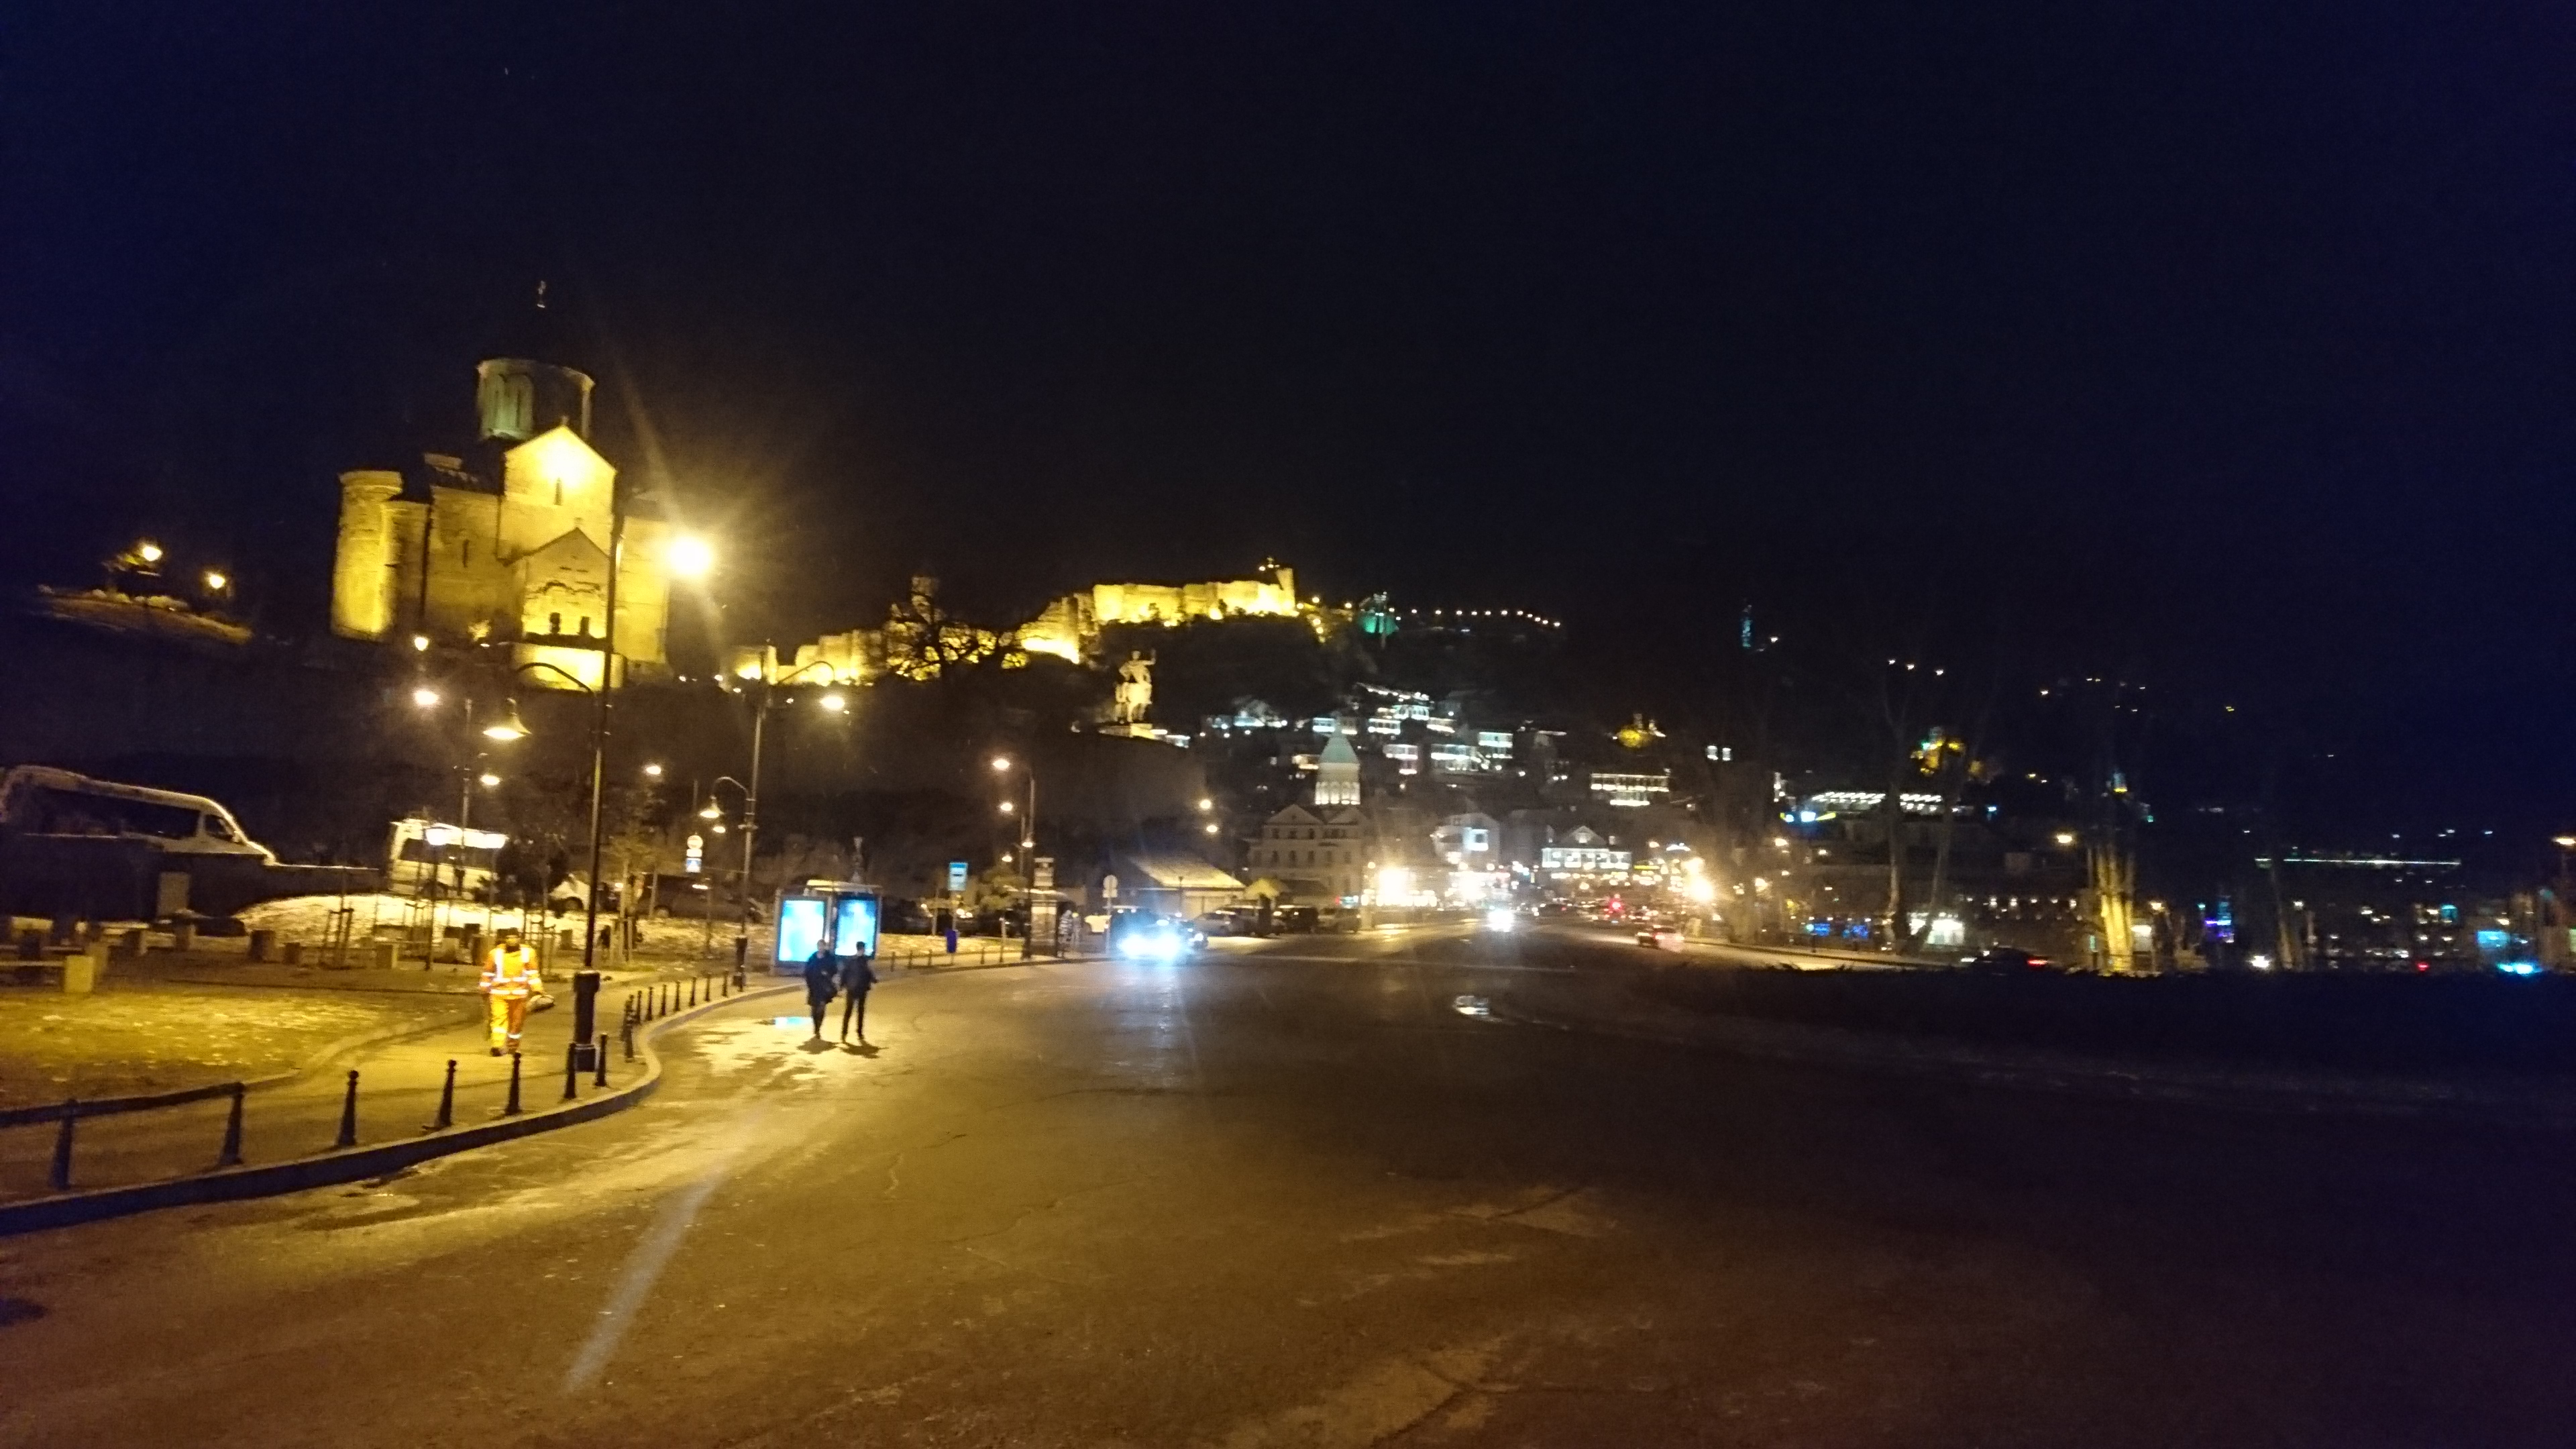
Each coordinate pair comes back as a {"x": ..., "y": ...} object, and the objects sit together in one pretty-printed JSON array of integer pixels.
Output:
[{"x": 1070, "y": 627}]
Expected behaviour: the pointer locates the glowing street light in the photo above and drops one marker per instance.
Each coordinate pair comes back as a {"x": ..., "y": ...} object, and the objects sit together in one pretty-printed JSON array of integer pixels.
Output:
[
  {"x": 834, "y": 702},
  {"x": 148, "y": 551},
  {"x": 690, "y": 557},
  {"x": 652, "y": 772},
  {"x": 425, "y": 697},
  {"x": 1002, "y": 765},
  {"x": 420, "y": 643},
  {"x": 711, "y": 812},
  {"x": 216, "y": 583},
  {"x": 488, "y": 779},
  {"x": 507, "y": 727}
]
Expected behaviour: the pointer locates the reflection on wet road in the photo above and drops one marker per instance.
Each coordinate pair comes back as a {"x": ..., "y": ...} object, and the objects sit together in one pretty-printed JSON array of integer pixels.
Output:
[{"x": 1326, "y": 1191}]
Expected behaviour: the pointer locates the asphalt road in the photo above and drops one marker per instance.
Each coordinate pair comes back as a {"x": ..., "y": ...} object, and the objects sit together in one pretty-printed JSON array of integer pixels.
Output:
[{"x": 1293, "y": 1196}]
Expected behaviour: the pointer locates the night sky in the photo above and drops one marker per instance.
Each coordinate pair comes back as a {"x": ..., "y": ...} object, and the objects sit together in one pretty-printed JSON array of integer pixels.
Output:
[{"x": 2223, "y": 345}]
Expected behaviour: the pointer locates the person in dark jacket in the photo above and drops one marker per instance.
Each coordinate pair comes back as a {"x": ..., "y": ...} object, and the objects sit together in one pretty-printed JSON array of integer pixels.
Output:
[
  {"x": 822, "y": 978},
  {"x": 857, "y": 975}
]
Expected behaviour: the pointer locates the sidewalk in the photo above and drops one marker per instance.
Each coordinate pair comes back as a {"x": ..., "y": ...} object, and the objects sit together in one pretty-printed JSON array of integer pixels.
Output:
[{"x": 399, "y": 1086}]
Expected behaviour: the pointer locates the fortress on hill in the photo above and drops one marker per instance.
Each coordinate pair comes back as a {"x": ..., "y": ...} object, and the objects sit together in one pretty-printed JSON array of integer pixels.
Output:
[
  {"x": 1070, "y": 627},
  {"x": 917, "y": 640}
]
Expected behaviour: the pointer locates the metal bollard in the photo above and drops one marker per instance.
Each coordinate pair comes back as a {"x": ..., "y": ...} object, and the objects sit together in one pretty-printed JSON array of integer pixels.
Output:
[
  {"x": 693, "y": 991},
  {"x": 61, "y": 1176},
  {"x": 446, "y": 1100},
  {"x": 572, "y": 1070},
  {"x": 599, "y": 1053},
  {"x": 230, "y": 1156},
  {"x": 349, "y": 1113},
  {"x": 629, "y": 1035},
  {"x": 512, "y": 1110}
]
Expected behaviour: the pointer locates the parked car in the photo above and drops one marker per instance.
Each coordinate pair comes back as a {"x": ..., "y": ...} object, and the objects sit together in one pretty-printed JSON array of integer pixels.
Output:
[
  {"x": 1221, "y": 923},
  {"x": 1660, "y": 935},
  {"x": 2005, "y": 961}
]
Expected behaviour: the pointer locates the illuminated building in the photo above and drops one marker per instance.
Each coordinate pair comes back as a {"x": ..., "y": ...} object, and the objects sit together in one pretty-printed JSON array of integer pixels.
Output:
[
  {"x": 1337, "y": 774},
  {"x": 1634, "y": 788},
  {"x": 1069, "y": 629},
  {"x": 1583, "y": 854},
  {"x": 506, "y": 541}
]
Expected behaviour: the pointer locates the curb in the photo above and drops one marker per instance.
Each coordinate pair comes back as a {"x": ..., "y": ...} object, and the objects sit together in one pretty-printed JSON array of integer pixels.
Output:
[{"x": 329, "y": 1168}]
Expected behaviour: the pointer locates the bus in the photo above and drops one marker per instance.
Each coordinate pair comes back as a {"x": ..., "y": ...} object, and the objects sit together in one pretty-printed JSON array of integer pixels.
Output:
[{"x": 37, "y": 800}]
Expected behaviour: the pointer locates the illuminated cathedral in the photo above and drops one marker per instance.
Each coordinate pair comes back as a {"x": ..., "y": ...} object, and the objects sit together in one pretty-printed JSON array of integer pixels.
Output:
[{"x": 506, "y": 541}]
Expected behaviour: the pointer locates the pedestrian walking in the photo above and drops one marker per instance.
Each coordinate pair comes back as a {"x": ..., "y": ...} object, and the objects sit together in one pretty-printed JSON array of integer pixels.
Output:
[
  {"x": 509, "y": 984},
  {"x": 857, "y": 975},
  {"x": 822, "y": 978}
]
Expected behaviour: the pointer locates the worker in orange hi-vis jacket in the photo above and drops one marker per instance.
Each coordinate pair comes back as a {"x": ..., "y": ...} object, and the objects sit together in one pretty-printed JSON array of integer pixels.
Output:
[{"x": 509, "y": 983}]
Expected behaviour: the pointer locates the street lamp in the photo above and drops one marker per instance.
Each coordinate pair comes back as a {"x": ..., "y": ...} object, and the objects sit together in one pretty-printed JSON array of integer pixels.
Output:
[
  {"x": 425, "y": 697},
  {"x": 1002, "y": 765},
  {"x": 689, "y": 556},
  {"x": 831, "y": 701},
  {"x": 598, "y": 757}
]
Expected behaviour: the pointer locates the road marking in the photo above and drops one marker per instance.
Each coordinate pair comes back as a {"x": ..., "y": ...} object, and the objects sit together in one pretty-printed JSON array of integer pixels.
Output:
[{"x": 644, "y": 1267}]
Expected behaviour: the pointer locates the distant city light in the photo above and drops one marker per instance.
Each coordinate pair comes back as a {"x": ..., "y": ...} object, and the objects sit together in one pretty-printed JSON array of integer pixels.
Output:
[
  {"x": 653, "y": 772},
  {"x": 834, "y": 702},
  {"x": 216, "y": 583},
  {"x": 1001, "y": 762},
  {"x": 420, "y": 643},
  {"x": 148, "y": 551},
  {"x": 488, "y": 779},
  {"x": 425, "y": 697}
]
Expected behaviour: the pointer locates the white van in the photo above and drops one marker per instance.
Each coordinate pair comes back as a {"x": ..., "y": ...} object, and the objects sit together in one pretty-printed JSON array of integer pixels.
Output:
[{"x": 37, "y": 800}]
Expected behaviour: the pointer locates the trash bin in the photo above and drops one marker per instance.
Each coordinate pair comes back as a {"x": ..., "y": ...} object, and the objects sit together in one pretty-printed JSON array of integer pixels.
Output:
[{"x": 263, "y": 945}]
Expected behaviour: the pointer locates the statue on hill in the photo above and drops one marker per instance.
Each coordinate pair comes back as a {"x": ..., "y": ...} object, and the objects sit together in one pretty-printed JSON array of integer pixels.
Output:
[{"x": 1135, "y": 690}]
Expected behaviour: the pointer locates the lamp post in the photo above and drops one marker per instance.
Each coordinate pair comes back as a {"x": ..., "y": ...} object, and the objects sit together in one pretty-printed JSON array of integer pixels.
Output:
[
  {"x": 598, "y": 766},
  {"x": 830, "y": 701},
  {"x": 1028, "y": 857}
]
